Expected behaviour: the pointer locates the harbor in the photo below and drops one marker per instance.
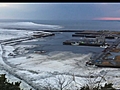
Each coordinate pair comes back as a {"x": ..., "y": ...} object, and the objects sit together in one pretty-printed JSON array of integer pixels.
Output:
[
  {"x": 93, "y": 38},
  {"x": 47, "y": 52},
  {"x": 110, "y": 56}
]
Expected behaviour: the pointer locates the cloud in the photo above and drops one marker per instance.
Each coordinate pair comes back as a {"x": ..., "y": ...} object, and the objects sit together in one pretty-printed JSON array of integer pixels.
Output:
[
  {"x": 3, "y": 5},
  {"x": 55, "y": 11},
  {"x": 107, "y": 18}
]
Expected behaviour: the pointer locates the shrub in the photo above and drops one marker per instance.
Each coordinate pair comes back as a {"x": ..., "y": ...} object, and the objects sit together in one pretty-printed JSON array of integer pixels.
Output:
[
  {"x": 5, "y": 85},
  {"x": 105, "y": 87}
]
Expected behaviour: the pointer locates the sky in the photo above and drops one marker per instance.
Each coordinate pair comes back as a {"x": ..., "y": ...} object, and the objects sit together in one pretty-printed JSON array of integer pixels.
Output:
[{"x": 60, "y": 11}]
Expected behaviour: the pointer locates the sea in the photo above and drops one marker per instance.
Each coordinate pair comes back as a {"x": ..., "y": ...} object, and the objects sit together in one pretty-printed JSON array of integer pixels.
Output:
[{"x": 54, "y": 44}]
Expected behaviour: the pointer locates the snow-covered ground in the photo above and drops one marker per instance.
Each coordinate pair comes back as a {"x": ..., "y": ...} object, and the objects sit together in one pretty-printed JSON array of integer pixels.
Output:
[{"x": 43, "y": 69}]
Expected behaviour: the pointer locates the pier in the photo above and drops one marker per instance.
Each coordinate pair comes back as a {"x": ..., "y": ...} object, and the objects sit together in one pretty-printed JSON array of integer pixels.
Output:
[{"x": 94, "y": 34}]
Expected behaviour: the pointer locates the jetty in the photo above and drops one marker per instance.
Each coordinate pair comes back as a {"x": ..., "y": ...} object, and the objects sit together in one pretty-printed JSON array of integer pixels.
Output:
[
  {"x": 94, "y": 34},
  {"x": 35, "y": 35}
]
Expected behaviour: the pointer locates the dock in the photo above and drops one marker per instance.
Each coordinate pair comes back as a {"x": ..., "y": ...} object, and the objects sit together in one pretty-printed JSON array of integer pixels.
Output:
[
  {"x": 94, "y": 34},
  {"x": 93, "y": 38},
  {"x": 85, "y": 42}
]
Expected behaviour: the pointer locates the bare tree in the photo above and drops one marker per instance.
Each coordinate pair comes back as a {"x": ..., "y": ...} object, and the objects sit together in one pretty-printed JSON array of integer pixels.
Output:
[
  {"x": 62, "y": 82},
  {"x": 74, "y": 84},
  {"x": 95, "y": 80}
]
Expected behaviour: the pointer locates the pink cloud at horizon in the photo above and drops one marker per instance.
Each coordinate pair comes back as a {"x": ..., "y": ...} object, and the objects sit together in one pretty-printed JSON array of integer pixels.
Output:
[{"x": 107, "y": 18}]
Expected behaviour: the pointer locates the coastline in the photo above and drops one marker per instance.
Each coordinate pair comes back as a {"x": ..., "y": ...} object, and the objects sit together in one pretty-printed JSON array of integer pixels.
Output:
[{"x": 36, "y": 68}]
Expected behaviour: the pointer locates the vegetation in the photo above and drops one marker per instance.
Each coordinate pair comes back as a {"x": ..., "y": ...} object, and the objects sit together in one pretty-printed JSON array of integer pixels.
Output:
[
  {"x": 61, "y": 82},
  {"x": 6, "y": 85},
  {"x": 105, "y": 87}
]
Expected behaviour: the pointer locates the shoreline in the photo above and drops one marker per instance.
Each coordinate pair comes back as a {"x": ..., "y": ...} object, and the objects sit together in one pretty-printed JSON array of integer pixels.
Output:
[
  {"x": 60, "y": 30},
  {"x": 36, "y": 69}
]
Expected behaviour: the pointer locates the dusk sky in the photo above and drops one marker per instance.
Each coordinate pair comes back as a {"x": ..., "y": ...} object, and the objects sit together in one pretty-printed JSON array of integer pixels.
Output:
[{"x": 60, "y": 11}]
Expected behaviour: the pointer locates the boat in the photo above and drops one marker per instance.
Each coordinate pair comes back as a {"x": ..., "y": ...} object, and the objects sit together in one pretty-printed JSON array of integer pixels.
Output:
[
  {"x": 74, "y": 43},
  {"x": 104, "y": 46}
]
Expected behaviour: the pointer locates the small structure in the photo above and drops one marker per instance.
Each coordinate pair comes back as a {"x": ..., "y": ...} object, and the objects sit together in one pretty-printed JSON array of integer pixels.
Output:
[
  {"x": 100, "y": 39},
  {"x": 39, "y": 52},
  {"x": 42, "y": 34}
]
